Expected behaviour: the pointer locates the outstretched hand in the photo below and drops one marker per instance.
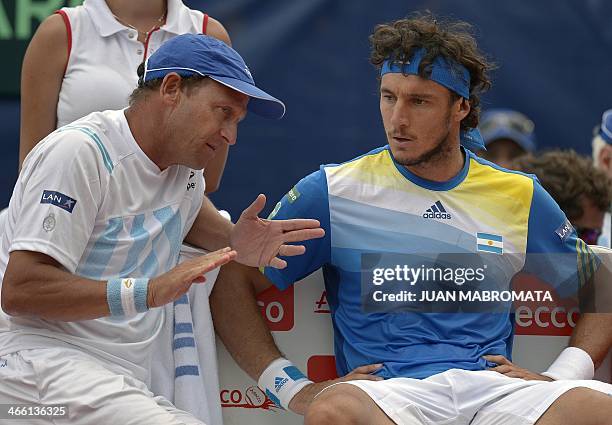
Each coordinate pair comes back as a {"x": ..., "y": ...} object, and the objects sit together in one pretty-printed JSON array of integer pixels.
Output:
[
  {"x": 506, "y": 367},
  {"x": 260, "y": 242},
  {"x": 171, "y": 285}
]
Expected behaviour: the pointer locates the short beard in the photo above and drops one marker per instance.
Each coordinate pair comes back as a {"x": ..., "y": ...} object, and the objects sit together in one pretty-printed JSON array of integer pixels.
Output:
[
  {"x": 438, "y": 153},
  {"x": 432, "y": 156}
]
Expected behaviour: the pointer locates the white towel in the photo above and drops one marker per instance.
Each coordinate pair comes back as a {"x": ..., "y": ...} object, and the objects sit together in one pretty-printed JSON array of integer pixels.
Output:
[
  {"x": 189, "y": 393},
  {"x": 195, "y": 351}
]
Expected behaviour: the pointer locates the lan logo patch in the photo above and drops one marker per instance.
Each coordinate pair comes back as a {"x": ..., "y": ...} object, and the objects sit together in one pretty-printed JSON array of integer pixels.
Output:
[
  {"x": 564, "y": 230},
  {"x": 58, "y": 199}
]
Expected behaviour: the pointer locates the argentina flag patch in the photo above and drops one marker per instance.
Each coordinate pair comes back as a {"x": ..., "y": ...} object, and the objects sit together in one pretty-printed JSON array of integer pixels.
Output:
[{"x": 488, "y": 242}]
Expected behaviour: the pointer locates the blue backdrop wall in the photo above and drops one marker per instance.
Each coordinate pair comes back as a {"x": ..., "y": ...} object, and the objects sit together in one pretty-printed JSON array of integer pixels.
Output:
[{"x": 554, "y": 62}]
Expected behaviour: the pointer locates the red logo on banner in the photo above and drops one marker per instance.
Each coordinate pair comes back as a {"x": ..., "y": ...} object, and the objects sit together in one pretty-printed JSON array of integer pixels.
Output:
[
  {"x": 557, "y": 318},
  {"x": 252, "y": 398},
  {"x": 321, "y": 305},
  {"x": 321, "y": 368},
  {"x": 277, "y": 308}
]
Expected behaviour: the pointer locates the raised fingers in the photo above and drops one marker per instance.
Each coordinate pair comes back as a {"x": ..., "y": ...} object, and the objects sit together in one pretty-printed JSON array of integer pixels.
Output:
[
  {"x": 291, "y": 250},
  {"x": 298, "y": 224},
  {"x": 277, "y": 263},
  {"x": 213, "y": 254},
  {"x": 220, "y": 259},
  {"x": 256, "y": 206},
  {"x": 210, "y": 261},
  {"x": 303, "y": 235}
]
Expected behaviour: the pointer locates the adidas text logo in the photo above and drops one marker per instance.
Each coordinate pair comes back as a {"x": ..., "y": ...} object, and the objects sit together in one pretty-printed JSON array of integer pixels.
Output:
[
  {"x": 437, "y": 211},
  {"x": 279, "y": 382}
]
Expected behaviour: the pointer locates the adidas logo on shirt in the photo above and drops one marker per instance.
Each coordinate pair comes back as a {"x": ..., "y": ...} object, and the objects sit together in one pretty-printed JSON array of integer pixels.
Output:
[{"x": 437, "y": 211}]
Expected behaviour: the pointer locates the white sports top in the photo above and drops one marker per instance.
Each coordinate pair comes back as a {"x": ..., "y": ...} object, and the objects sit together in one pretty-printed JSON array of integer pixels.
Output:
[
  {"x": 103, "y": 55},
  {"x": 90, "y": 198}
]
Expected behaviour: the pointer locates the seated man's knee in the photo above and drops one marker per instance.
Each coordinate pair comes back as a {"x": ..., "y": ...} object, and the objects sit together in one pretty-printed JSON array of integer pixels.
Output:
[
  {"x": 579, "y": 406},
  {"x": 334, "y": 406},
  {"x": 594, "y": 407}
]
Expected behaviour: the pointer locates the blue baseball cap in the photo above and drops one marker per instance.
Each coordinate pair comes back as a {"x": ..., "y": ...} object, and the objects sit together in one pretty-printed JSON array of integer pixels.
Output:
[
  {"x": 498, "y": 124},
  {"x": 191, "y": 54},
  {"x": 605, "y": 129}
]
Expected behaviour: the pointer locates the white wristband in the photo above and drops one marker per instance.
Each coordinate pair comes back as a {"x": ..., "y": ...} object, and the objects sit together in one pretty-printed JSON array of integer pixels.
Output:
[
  {"x": 573, "y": 363},
  {"x": 281, "y": 381}
]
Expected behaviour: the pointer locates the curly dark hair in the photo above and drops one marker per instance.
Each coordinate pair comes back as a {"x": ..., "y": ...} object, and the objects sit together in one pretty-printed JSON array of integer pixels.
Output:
[
  {"x": 400, "y": 39},
  {"x": 568, "y": 178},
  {"x": 143, "y": 88}
]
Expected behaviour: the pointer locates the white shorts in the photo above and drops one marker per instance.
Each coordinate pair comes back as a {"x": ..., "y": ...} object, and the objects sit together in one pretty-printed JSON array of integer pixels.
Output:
[
  {"x": 468, "y": 397},
  {"x": 93, "y": 394}
]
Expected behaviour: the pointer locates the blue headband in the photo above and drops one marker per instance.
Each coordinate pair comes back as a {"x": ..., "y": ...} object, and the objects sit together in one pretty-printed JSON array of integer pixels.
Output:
[{"x": 447, "y": 73}]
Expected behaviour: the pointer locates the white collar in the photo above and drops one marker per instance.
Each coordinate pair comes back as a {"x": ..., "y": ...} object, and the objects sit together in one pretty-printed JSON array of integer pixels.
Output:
[{"x": 107, "y": 25}]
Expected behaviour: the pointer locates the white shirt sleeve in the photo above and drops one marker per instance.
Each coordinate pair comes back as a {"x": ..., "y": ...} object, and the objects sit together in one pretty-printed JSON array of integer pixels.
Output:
[{"x": 61, "y": 192}]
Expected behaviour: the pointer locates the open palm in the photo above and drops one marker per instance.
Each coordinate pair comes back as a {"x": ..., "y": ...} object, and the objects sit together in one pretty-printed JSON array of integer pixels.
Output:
[{"x": 260, "y": 242}]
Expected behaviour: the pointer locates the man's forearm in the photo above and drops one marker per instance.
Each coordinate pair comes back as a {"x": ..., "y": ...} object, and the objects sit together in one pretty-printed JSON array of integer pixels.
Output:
[
  {"x": 238, "y": 321},
  {"x": 593, "y": 334},
  {"x": 35, "y": 285},
  {"x": 210, "y": 230}
]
